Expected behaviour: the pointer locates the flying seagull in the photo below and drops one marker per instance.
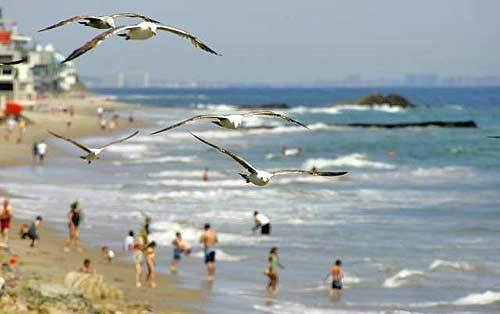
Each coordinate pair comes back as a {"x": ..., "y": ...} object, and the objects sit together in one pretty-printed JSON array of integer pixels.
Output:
[
  {"x": 99, "y": 22},
  {"x": 92, "y": 153},
  {"x": 494, "y": 136},
  {"x": 24, "y": 59},
  {"x": 261, "y": 177},
  {"x": 141, "y": 31},
  {"x": 232, "y": 121}
]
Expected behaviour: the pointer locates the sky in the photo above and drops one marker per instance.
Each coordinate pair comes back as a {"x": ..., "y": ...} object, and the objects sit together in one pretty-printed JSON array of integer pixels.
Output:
[{"x": 280, "y": 40}]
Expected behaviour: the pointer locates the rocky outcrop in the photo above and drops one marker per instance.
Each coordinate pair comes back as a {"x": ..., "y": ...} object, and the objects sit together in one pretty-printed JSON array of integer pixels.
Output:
[
  {"x": 393, "y": 100},
  {"x": 93, "y": 286},
  {"x": 50, "y": 297},
  {"x": 441, "y": 124}
]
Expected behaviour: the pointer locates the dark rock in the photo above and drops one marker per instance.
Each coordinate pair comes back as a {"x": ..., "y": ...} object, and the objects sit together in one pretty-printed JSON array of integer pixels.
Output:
[{"x": 393, "y": 100}]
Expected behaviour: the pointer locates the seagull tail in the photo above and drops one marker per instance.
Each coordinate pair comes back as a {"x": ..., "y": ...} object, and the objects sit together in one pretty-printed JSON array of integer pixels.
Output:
[
  {"x": 245, "y": 177},
  {"x": 83, "y": 157}
]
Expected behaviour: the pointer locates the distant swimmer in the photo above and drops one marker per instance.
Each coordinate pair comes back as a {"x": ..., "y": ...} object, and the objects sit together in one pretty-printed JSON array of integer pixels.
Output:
[
  {"x": 209, "y": 240},
  {"x": 272, "y": 270},
  {"x": 99, "y": 22},
  {"x": 205, "y": 175},
  {"x": 180, "y": 247},
  {"x": 291, "y": 152},
  {"x": 232, "y": 121},
  {"x": 261, "y": 177},
  {"x": 263, "y": 222},
  {"x": 92, "y": 153},
  {"x": 337, "y": 275}
]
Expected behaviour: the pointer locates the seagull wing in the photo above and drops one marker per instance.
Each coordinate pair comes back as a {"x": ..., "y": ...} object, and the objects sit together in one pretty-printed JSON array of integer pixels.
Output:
[
  {"x": 195, "y": 41},
  {"x": 120, "y": 140},
  {"x": 91, "y": 44},
  {"x": 72, "y": 141},
  {"x": 145, "y": 18},
  {"x": 310, "y": 172},
  {"x": 274, "y": 114},
  {"x": 24, "y": 59},
  {"x": 67, "y": 21},
  {"x": 237, "y": 158},
  {"x": 189, "y": 120},
  {"x": 494, "y": 136}
]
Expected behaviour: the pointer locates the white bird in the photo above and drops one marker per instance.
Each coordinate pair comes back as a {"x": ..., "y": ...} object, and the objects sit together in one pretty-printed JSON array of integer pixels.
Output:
[
  {"x": 92, "y": 153},
  {"x": 14, "y": 62},
  {"x": 141, "y": 31},
  {"x": 232, "y": 121},
  {"x": 261, "y": 177},
  {"x": 99, "y": 22}
]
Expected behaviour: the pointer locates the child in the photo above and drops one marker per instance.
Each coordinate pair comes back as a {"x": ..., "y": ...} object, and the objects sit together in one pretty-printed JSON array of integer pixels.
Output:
[
  {"x": 272, "y": 270},
  {"x": 107, "y": 255},
  {"x": 337, "y": 275},
  {"x": 85, "y": 269},
  {"x": 179, "y": 248}
]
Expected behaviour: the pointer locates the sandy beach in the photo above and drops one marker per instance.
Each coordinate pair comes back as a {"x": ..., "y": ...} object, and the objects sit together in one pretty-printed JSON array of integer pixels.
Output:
[{"x": 48, "y": 263}]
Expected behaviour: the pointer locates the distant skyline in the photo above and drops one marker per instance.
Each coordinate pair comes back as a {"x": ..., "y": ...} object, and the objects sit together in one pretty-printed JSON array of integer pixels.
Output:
[{"x": 283, "y": 41}]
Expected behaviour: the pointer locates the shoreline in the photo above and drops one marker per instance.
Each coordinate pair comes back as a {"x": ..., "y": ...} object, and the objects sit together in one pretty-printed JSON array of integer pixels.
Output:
[{"x": 37, "y": 264}]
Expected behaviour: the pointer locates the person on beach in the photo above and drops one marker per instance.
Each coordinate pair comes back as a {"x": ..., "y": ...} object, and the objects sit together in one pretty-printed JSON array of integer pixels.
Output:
[
  {"x": 128, "y": 245},
  {"x": 180, "y": 247},
  {"x": 5, "y": 219},
  {"x": 144, "y": 233},
  {"x": 85, "y": 269},
  {"x": 150, "y": 264},
  {"x": 272, "y": 270},
  {"x": 209, "y": 241},
  {"x": 22, "y": 130},
  {"x": 100, "y": 113},
  {"x": 42, "y": 150},
  {"x": 263, "y": 222},
  {"x": 107, "y": 255},
  {"x": 337, "y": 275},
  {"x": 34, "y": 151},
  {"x": 32, "y": 231},
  {"x": 74, "y": 220},
  {"x": 205, "y": 175},
  {"x": 138, "y": 256}
]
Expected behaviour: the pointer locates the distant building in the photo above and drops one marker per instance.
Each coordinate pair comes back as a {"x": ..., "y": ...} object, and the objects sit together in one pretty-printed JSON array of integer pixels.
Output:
[{"x": 41, "y": 74}]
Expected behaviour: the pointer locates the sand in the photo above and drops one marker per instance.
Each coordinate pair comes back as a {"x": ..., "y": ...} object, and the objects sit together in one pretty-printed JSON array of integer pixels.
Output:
[
  {"x": 49, "y": 263},
  {"x": 83, "y": 123}
]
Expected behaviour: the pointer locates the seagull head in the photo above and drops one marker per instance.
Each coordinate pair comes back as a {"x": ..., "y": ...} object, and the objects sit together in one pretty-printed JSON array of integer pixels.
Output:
[{"x": 110, "y": 21}]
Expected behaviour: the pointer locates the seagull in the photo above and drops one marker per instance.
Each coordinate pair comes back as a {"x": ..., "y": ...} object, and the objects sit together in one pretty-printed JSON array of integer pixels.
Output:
[
  {"x": 261, "y": 177},
  {"x": 92, "y": 153},
  {"x": 494, "y": 136},
  {"x": 99, "y": 22},
  {"x": 24, "y": 59},
  {"x": 232, "y": 121},
  {"x": 141, "y": 31}
]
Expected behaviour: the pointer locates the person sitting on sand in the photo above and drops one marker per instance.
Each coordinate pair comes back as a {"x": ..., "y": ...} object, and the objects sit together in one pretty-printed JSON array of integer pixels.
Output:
[
  {"x": 150, "y": 264},
  {"x": 32, "y": 231},
  {"x": 272, "y": 270},
  {"x": 85, "y": 269},
  {"x": 180, "y": 247},
  {"x": 5, "y": 219},
  {"x": 138, "y": 255}
]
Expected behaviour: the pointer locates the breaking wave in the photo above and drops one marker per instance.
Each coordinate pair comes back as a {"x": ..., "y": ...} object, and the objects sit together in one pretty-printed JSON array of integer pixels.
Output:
[
  {"x": 355, "y": 160},
  {"x": 401, "y": 278},
  {"x": 451, "y": 264}
]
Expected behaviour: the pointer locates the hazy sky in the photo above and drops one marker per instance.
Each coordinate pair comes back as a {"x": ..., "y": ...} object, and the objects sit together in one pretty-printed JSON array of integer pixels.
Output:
[{"x": 281, "y": 40}]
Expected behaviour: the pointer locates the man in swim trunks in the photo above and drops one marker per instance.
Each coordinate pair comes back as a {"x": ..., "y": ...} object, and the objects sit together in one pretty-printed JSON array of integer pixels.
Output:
[
  {"x": 209, "y": 241},
  {"x": 5, "y": 219},
  {"x": 337, "y": 275}
]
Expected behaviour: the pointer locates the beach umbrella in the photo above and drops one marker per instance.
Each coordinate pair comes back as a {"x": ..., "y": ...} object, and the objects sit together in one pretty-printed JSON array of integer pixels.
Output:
[{"x": 13, "y": 108}]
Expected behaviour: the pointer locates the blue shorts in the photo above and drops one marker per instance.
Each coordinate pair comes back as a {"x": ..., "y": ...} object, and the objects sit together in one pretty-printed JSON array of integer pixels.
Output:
[
  {"x": 177, "y": 254},
  {"x": 209, "y": 255}
]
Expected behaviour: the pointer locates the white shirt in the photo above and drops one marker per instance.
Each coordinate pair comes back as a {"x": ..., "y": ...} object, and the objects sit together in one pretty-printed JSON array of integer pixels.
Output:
[
  {"x": 129, "y": 243},
  {"x": 262, "y": 219},
  {"x": 42, "y": 148}
]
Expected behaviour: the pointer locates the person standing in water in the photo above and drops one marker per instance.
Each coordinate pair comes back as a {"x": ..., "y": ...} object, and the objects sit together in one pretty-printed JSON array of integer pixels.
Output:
[
  {"x": 205, "y": 175},
  {"x": 209, "y": 241},
  {"x": 129, "y": 241},
  {"x": 180, "y": 247},
  {"x": 138, "y": 255},
  {"x": 263, "y": 222},
  {"x": 74, "y": 220},
  {"x": 337, "y": 275},
  {"x": 150, "y": 264},
  {"x": 272, "y": 270}
]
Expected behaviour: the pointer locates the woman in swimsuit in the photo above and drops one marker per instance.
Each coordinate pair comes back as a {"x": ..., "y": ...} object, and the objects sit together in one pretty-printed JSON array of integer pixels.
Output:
[
  {"x": 74, "y": 219},
  {"x": 272, "y": 270},
  {"x": 150, "y": 264},
  {"x": 5, "y": 218},
  {"x": 138, "y": 256}
]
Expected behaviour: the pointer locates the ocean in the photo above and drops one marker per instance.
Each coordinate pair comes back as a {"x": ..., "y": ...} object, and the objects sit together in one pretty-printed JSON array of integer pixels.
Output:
[{"x": 416, "y": 221}]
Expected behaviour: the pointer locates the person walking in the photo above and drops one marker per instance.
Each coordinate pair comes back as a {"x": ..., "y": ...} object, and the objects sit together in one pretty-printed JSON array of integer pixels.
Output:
[
  {"x": 42, "y": 150},
  {"x": 74, "y": 220},
  {"x": 138, "y": 256},
  {"x": 5, "y": 220},
  {"x": 263, "y": 222},
  {"x": 209, "y": 240},
  {"x": 272, "y": 270}
]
